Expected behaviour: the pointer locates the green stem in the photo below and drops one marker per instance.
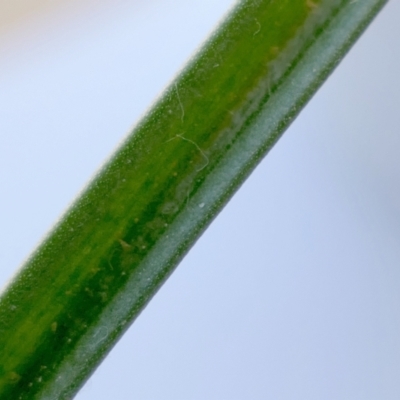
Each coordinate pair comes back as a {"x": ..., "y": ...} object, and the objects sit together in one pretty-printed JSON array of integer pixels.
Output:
[{"x": 123, "y": 237}]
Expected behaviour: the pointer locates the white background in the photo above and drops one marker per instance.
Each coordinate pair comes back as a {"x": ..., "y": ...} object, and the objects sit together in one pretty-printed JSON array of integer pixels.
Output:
[{"x": 294, "y": 291}]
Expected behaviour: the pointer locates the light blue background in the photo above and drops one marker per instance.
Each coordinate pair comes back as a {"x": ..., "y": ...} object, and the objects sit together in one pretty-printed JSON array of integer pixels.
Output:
[{"x": 294, "y": 291}]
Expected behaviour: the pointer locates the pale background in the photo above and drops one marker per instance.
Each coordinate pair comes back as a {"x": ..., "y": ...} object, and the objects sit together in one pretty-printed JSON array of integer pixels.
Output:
[{"x": 294, "y": 291}]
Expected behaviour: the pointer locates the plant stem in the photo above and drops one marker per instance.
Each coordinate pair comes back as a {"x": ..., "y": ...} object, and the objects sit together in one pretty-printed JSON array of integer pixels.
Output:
[{"x": 123, "y": 237}]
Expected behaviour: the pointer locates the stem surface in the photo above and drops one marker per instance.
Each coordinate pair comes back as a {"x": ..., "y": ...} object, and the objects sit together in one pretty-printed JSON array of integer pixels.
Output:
[{"x": 110, "y": 253}]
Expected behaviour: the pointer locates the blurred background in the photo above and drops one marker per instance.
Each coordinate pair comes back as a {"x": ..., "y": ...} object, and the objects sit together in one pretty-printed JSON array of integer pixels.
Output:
[{"x": 294, "y": 291}]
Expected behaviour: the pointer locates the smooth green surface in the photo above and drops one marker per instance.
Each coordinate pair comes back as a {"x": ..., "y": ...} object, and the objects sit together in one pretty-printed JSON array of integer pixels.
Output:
[{"x": 120, "y": 241}]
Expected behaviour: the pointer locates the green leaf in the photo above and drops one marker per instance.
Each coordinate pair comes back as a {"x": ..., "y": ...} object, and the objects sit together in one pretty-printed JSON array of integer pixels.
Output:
[{"x": 123, "y": 237}]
